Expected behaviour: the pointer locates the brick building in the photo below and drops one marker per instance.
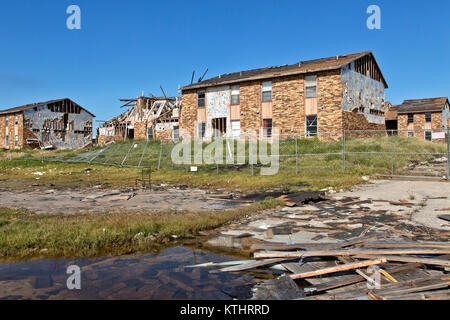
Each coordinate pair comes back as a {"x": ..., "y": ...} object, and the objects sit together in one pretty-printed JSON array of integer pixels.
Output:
[
  {"x": 58, "y": 124},
  {"x": 307, "y": 98},
  {"x": 147, "y": 118},
  {"x": 418, "y": 118}
]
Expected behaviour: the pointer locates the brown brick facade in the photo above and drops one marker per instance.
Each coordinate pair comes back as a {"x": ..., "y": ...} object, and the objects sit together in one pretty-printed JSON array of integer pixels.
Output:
[
  {"x": 288, "y": 106},
  {"x": 12, "y": 131},
  {"x": 420, "y": 124}
]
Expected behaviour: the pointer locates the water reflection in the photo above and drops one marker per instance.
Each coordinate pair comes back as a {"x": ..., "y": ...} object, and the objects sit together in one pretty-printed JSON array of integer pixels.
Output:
[{"x": 158, "y": 277}]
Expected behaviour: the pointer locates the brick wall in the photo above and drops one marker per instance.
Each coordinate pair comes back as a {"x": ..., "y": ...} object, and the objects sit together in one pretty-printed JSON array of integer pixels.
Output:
[
  {"x": 2, "y": 132},
  {"x": 189, "y": 111},
  {"x": 140, "y": 130},
  {"x": 329, "y": 93},
  {"x": 250, "y": 106},
  {"x": 288, "y": 104},
  {"x": 356, "y": 121}
]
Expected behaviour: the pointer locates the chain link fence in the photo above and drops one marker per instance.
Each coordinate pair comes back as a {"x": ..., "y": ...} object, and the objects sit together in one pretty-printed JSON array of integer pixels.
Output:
[{"x": 389, "y": 153}]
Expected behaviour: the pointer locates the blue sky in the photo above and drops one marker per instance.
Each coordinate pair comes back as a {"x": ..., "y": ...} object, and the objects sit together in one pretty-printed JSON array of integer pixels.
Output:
[{"x": 126, "y": 47}]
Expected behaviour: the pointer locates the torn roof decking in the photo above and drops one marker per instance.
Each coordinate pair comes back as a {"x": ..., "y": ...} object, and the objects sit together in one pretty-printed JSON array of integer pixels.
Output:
[
  {"x": 422, "y": 105},
  {"x": 302, "y": 67},
  {"x": 39, "y": 104}
]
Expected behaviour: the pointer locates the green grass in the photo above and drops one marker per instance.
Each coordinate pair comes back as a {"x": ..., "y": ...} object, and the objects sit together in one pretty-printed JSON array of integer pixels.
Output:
[
  {"x": 318, "y": 171},
  {"x": 24, "y": 235}
]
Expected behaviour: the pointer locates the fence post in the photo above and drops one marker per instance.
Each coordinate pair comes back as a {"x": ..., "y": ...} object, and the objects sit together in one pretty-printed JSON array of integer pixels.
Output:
[
  {"x": 160, "y": 155},
  {"x": 448, "y": 153},
  {"x": 296, "y": 154},
  {"x": 251, "y": 153},
  {"x": 343, "y": 152},
  {"x": 393, "y": 154},
  {"x": 129, "y": 150},
  {"x": 143, "y": 153}
]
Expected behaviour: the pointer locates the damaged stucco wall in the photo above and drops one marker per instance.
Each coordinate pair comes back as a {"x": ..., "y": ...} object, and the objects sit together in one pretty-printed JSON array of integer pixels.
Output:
[
  {"x": 74, "y": 135},
  {"x": 217, "y": 106},
  {"x": 360, "y": 91}
]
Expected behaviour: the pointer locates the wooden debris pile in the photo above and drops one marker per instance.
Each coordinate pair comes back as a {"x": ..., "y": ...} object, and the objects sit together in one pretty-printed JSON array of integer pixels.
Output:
[{"x": 375, "y": 267}]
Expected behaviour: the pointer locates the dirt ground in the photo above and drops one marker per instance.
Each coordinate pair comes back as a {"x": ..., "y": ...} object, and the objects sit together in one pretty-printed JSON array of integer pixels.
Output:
[{"x": 43, "y": 200}]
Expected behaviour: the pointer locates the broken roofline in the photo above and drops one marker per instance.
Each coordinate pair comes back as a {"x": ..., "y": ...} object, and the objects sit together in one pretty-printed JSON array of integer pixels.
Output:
[
  {"x": 277, "y": 71},
  {"x": 39, "y": 104}
]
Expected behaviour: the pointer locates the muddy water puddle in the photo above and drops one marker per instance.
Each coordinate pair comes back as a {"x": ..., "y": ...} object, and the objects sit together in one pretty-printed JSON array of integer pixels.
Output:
[{"x": 162, "y": 276}]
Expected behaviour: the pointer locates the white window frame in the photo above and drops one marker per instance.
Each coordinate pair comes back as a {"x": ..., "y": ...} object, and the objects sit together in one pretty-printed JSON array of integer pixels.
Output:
[
  {"x": 266, "y": 87},
  {"x": 236, "y": 91},
  {"x": 311, "y": 82}
]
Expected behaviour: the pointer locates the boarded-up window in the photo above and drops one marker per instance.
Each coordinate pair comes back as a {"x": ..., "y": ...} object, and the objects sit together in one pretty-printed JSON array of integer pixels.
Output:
[
  {"x": 201, "y": 97},
  {"x": 16, "y": 140},
  {"x": 235, "y": 90},
  {"x": 236, "y": 129},
  {"x": 267, "y": 91},
  {"x": 7, "y": 141},
  {"x": 311, "y": 126},
  {"x": 311, "y": 86},
  {"x": 428, "y": 117},
  {"x": 267, "y": 128}
]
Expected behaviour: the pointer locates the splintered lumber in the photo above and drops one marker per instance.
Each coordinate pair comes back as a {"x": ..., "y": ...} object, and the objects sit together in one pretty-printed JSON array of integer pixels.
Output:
[
  {"x": 398, "y": 288},
  {"x": 339, "y": 268},
  {"x": 410, "y": 245},
  {"x": 330, "y": 285},
  {"x": 445, "y": 217},
  {"x": 427, "y": 261},
  {"x": 429, "y": 295},
  {"x": 338, "y": 245},
  {"x": 346, "y": 253},
  {"x": 251, "y": 265}
]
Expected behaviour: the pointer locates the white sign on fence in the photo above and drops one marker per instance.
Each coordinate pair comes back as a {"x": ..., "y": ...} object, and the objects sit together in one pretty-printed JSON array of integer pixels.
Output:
[{"x": 438, "y": 135}]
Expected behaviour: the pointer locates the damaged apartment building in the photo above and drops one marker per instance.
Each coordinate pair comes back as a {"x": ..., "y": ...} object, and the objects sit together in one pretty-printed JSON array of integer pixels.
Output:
[
  {"x": 148, "y": 118},
  {"x": 320, "y": 97},
  {"x": 60, "y": 124},
  {"x": 427, "y": 119}
]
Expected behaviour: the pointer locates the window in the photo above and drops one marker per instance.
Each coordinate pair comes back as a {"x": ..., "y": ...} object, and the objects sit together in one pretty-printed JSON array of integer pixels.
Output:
[
  {"x": 150, "y": 133},
  {"x": 267, "y": 91},
  {"x": 201, "y": 129},
  {"x": 7, "y": 141},
  {"x": 428, "y": 117},
  {"x": 410, "y": 118},
  {"x": 236, "y": 129},
  {"x": 311, "y": 126},
  {"x": 16, "y": 140},
  {"x": 428, "y": 135},
  {"x": 176, "y": 132},
  {"x": 235, "y": 95},
  {"x": 410, "y": 134},
  {"x": 6, "y": 123},
  {"x": 267, "y": 128},
  {"x": 201, "y": 97},
  {"x": 16, "y": 119},
  {"x": 311, "y": 86}
]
